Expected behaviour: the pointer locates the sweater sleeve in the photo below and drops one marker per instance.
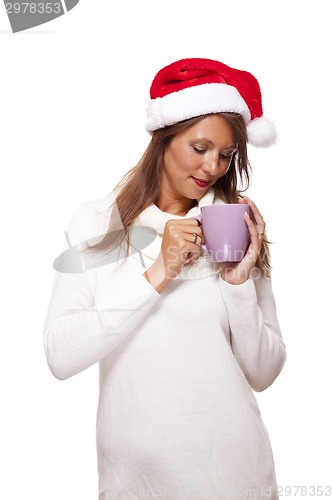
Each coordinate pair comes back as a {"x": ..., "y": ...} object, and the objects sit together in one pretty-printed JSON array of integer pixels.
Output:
[
  {"x": 256, "y": 338},
  {"x": 77, "y": 334}
]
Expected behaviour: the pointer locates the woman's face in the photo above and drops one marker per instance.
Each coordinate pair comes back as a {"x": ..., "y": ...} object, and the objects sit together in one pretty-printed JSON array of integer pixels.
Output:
[{"x": 197, "y": 157}]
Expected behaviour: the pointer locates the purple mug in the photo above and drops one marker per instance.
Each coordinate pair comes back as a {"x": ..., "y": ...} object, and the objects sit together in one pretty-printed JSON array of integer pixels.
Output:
[{"x": 225, "y": 231}]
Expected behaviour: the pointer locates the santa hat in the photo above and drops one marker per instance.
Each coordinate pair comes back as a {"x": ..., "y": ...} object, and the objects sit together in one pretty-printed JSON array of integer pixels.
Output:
[{"x": 194, "y": 87}]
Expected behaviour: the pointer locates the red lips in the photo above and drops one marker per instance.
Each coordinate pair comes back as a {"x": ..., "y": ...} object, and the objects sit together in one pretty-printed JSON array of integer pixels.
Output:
[{"x": 200, "y": 182}]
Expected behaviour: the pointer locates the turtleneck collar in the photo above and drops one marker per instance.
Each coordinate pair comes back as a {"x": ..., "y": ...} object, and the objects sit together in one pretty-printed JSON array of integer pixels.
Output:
[{"x": 154, "y": 217}]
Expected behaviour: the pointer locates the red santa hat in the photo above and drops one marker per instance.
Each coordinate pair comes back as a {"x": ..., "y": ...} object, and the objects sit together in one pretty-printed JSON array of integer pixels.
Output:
[{"x": 194, "y": 87}]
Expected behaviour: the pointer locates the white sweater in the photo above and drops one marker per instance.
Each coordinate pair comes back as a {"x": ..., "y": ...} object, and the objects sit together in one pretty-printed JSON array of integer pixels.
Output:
[{"x": 177, "y": 417}]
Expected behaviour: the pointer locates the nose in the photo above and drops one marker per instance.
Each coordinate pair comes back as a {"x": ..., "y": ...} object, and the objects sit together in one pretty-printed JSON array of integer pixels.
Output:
[{"x": 211, "y": 165}]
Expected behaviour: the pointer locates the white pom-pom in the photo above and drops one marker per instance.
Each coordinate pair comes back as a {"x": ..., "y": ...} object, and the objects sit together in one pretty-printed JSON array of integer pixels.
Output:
[{"x": 261, "y": 132}]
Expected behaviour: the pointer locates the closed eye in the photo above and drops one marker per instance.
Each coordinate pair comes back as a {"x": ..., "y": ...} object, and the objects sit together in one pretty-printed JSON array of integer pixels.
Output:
[
  {"x": 223, "y": 156},
  {"x": 197, "y": 149},
  {"x": 229, "y": 157}
]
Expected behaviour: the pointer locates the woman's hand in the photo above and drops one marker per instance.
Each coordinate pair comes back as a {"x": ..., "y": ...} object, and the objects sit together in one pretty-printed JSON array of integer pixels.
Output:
[
  {"x": 237, "y": 273},
  {"x": 181, "y": 244}
]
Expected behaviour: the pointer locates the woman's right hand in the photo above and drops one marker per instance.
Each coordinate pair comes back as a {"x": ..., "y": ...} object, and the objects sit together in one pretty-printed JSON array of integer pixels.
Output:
[
  {"x": 178, "y": 245},
  {"x": 177, "y": 248}
]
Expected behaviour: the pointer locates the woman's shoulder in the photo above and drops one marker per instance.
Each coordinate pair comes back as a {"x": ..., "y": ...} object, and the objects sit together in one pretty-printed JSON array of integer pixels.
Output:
[
  {"x": 99, "y": 206},
  {"x": 91, "y": 217}
]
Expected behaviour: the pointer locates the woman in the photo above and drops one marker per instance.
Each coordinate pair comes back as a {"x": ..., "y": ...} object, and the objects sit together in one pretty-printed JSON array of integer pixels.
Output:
[{"x": 181, "y": 341}]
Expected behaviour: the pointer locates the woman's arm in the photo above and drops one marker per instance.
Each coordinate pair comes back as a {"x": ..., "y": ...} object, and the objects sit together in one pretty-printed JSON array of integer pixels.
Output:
[
  {"x": 255, "y": 332},
  {"x": 76, "y": 333}
]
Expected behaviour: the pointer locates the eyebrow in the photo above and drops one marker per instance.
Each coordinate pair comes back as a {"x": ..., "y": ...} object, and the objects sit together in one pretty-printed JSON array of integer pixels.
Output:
[{"x": 212, "y": 144}]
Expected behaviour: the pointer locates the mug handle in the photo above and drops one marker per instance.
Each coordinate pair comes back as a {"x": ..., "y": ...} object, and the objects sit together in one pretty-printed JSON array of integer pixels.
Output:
[{"x": 203, "y": 245}]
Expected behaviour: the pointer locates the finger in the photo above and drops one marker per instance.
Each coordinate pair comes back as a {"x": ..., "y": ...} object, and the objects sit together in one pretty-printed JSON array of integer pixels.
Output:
[
  {"x": 189, "y": 221},
  {"x": 194, "y": 238},
  {"x": 256, "y": 216},
  {"x": 254, "y": 248},
  {"x": 186, "y": 233},
  {"x": 255, "y": 210},
  {"x": 252, "y": 229},
  {"x": 185, "y": 226},
  {"x": 191, "y": 258},
  {"x": 191, "y": 252}
]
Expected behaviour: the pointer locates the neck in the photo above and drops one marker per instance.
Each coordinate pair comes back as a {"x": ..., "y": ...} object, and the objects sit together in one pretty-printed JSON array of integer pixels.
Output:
[{"x": 175, "y": 206}]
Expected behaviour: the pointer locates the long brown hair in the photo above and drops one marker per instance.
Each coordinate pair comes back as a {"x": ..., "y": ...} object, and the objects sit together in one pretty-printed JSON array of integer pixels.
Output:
[{"x": 139, "y": 187}]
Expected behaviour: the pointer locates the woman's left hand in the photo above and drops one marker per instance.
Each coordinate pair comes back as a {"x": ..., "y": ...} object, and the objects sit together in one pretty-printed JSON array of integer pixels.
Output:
[{"x": 237, "y": 273}]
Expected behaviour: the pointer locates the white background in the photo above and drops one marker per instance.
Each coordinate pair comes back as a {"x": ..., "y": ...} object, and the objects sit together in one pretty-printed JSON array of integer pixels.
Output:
[{"x": 72, "y": 114}]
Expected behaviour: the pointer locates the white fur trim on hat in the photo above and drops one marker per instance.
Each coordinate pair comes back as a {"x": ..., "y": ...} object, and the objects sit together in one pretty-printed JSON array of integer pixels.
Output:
[
  {"x": 261, "y": 132},
  {"x": 195, "y": 101}
]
